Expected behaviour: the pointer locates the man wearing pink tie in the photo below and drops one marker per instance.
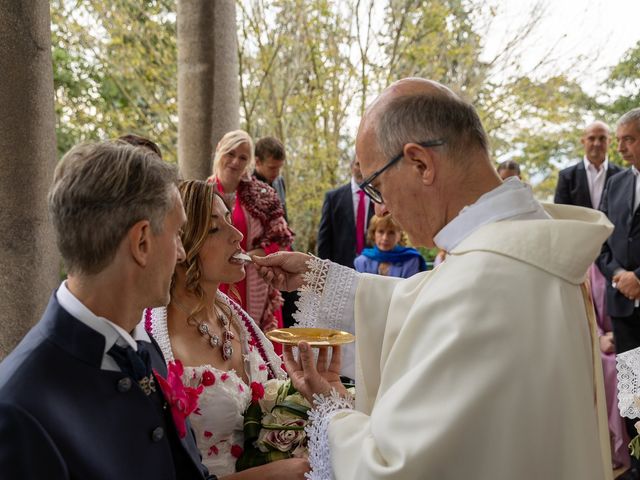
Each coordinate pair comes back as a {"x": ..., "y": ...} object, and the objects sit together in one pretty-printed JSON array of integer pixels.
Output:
[
  {"x": 345, "y": 217},
  {"x": 341, "y": 236}
]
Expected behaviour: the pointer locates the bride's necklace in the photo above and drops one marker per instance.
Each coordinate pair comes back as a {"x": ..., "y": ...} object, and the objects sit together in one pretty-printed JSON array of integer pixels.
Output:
[{"x": 214, "y": 340}]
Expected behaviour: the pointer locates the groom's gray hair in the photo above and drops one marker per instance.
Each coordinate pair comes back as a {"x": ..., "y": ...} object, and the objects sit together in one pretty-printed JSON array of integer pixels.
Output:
[{"x": 99, "y": 192}]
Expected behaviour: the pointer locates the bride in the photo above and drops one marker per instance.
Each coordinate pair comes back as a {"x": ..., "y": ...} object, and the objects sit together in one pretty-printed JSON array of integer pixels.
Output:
[{"x": 219, "y": 345}]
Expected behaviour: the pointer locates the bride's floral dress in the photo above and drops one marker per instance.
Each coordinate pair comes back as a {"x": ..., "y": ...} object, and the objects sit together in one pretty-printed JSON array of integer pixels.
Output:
[{"x": 219, "y": 424}]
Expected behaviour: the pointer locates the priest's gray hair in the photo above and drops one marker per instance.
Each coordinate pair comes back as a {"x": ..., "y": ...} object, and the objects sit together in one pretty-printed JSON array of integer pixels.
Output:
[
  {"x": 632, "y": 116},
  {"x": 99, "y": 191},
  {"x": 421, "y": 117}
]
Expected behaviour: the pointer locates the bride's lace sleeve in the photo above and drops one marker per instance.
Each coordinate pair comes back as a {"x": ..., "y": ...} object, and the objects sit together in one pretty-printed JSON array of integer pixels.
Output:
[
  {"x": 324, "y": 409},
  {"x": 327, "y": 296},
  {"x": 628, "y": 365}
]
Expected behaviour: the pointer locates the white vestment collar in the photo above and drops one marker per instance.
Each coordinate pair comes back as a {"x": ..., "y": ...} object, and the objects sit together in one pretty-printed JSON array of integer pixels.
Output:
[{"x": 513, "y": 200}]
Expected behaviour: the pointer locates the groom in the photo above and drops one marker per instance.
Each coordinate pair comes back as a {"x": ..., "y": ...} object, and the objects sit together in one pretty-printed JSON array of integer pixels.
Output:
[
  {"x": 482, "y": 369},
  {"x": 77, "y": 396}
]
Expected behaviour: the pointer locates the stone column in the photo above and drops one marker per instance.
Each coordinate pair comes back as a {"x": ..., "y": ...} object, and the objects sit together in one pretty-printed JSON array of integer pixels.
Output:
[
  {"x": 226, "y": 77},
  {"x": 208, "y": 92},
  {"x": 29, "y": 265}
]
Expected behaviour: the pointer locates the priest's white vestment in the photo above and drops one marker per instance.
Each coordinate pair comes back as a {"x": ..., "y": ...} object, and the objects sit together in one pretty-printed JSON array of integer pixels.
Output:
[{"x": 481, "y": 369}]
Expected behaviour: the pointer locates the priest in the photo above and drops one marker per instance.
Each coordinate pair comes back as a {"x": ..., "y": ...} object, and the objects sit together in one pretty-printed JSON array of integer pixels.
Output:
[{"x": 483, "y": 368}]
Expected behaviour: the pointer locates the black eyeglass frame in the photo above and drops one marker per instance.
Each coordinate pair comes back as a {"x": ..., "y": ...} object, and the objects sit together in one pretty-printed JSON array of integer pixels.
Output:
[{"x": 372, "y": 192}]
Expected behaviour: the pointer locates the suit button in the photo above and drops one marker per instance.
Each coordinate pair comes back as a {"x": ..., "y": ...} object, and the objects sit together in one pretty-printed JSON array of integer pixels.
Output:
[
  {"x": 124, "y": 384},
  {"x": 157, "y": 434}
]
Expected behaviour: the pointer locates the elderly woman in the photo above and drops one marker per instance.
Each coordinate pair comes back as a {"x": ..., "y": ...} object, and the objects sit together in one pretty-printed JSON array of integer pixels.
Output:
[{"x": 257, "y": 212}]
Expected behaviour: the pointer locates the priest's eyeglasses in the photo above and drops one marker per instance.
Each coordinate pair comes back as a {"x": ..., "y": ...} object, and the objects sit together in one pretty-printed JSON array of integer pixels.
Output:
[{"x": 372, "y": 192}]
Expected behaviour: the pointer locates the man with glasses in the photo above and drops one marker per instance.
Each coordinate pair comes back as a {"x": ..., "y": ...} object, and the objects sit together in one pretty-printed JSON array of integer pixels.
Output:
[{"x": 483, "y": 368}]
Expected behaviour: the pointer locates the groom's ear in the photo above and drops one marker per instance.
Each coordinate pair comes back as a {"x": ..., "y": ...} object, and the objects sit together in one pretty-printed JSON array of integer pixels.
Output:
[
  {"x": 422, "y": 161},
  {"x": 139, "y": 242}
]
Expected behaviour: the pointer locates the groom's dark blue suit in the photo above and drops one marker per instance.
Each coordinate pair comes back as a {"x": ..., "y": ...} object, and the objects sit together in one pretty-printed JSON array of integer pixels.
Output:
[{"x": 62, "y": 417}]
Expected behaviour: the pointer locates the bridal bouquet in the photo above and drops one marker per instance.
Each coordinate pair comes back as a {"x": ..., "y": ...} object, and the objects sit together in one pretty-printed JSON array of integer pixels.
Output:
[{"x": 274, "y": 425}]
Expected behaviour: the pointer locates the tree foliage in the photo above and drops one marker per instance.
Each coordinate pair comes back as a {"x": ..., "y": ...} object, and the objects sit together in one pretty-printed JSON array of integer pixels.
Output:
[
  {"x": 115, "y": 70},
  {"x": 309, "y": 68},
  {"x": 624, "y": 80}
]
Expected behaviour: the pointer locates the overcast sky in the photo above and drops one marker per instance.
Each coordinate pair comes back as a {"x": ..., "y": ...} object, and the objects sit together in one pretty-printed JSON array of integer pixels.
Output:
[{"x": 601, "y": 30}]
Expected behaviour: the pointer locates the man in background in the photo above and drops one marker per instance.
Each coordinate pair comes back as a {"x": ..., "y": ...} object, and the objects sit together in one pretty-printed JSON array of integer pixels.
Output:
[
  {"x": 619, "y": 260},
  {"x": 270, "y": 157},
  {"x": 345, "y": 217},
  {"x": 582, "y": 184},
  {"x": 508, "y": 168}
]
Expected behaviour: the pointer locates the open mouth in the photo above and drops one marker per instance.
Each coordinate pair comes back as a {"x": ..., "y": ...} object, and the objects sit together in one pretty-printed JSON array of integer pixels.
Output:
[{"x": 239, "y": 258}]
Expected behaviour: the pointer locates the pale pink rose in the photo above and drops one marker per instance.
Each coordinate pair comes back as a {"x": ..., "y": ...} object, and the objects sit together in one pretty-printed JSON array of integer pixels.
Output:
[{"x": 283, "y": 440}]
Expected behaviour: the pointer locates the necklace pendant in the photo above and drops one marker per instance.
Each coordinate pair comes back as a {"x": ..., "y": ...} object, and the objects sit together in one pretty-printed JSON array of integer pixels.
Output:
[
  {"x": 203, "y": 329},
  {"x": 227, "y": 350},
  {"x": 214, "y": 341},
  {"x": 228, "y": 335}
]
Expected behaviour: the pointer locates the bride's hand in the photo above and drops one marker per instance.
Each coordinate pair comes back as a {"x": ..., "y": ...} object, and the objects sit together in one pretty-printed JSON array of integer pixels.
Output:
[
  {"x": 309, "y": 377},
  {"x": 287, "y": 469},
  {"x": 282, "y": 270}
]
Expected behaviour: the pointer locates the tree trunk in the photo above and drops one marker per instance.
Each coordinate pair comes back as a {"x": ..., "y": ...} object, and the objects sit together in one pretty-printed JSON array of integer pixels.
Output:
[
  {"x": 208, "y": 83},
  {"x": 30, "y": 263}
]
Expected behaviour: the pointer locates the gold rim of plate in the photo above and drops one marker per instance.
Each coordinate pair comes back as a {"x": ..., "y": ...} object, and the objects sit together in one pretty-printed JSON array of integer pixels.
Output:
[{"x": 316, "y": 337}]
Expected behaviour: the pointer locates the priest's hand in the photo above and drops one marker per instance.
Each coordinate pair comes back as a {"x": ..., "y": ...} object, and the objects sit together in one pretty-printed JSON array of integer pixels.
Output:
[
  {"x": 283, "y": 270},
  {"x": 310, "y": 377}
]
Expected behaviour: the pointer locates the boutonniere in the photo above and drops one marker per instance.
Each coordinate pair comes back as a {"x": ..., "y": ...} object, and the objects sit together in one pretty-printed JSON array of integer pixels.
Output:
[{"x": 182, "y": 400}]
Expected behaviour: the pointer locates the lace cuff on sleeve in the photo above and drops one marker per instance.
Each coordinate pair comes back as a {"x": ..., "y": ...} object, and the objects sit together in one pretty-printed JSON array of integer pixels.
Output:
[
  {"x": 324, "y": 409},
  {"x": 628, "y": 365},
  {"x": 327, "y": 296}
]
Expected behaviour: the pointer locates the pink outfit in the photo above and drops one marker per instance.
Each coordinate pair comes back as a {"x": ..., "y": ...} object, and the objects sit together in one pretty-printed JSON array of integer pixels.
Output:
[
  {"x": 617, "y": 432},
  {"x": 258, "y": 214}
]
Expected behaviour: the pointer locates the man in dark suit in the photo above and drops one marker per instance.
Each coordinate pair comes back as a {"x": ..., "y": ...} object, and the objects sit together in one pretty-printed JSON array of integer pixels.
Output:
[
  {"x": 78, "y": 399},
  {"x": 582, "y": 184},
  {"x": 619, "y": 260},
  {"x": 338, "y": 239}
]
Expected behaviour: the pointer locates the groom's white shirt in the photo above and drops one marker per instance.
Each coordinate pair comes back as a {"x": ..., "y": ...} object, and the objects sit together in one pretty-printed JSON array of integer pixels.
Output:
[
  {"x": 481, "y": 368},
  {"x": 111, "y": 332}
]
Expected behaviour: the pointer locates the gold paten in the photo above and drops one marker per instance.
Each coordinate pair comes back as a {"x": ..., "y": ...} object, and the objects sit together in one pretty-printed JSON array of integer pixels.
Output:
[{"x": 316, "y": 337}]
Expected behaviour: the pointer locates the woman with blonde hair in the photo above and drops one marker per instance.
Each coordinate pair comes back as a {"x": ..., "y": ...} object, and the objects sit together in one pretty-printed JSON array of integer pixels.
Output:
[
  {"x": 222, "y": 350},
  {"x": 387, "y": 257},
  {"x": 257, "y": 212}
]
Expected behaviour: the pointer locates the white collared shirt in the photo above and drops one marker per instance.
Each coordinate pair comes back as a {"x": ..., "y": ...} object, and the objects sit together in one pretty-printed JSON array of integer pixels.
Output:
[
  {"x": 636, "y": 199},
  {"x": 513, "y": 200},
  {"x": 596, "y": 179},
  {"x": 111, "y": 332},
  {"x": 355, "y": 198}
]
